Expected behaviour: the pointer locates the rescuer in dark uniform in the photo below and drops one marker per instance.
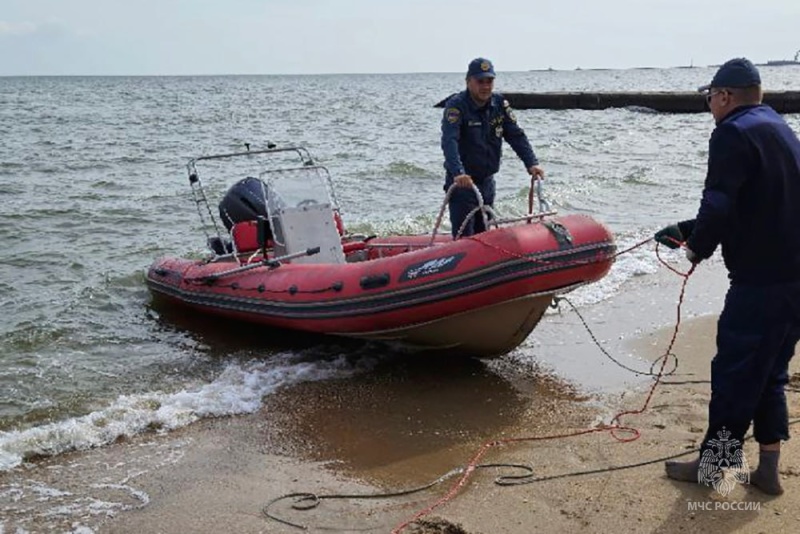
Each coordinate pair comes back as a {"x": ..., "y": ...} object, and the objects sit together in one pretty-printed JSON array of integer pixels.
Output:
[
  {"x": 474, "y": 124},
  {"x": 751, "y": 206}
]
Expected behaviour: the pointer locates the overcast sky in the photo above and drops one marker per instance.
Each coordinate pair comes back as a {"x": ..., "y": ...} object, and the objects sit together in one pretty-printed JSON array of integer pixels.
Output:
[{"x": 344, "y": 36}]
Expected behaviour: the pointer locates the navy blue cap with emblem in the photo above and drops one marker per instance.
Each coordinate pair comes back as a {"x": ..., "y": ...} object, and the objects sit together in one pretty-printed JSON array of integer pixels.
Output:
[
  {"x": 737, "y": 72},
  {"x": 480, "y": 68}
]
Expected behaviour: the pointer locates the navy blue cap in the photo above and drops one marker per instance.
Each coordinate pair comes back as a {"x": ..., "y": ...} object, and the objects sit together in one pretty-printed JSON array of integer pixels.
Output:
[
  {"x": 737, "y": 72},
  {"x": 480, "y": 68}
]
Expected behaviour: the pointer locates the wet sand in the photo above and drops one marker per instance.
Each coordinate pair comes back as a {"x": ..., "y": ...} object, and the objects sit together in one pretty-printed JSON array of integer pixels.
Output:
[{"x": 414, "y": 419}]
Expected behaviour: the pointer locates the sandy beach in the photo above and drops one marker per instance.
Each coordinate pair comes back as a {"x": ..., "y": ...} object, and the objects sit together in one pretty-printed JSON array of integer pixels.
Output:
[{"x": 409, "y": 422}]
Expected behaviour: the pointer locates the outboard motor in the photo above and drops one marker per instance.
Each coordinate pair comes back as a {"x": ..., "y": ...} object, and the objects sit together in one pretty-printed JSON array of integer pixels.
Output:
[{"x": 246, "y": 200}]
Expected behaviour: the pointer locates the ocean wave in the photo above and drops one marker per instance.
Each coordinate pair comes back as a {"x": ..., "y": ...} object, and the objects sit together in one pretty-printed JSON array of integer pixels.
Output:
[
  {"x": 31, "y": 336},
  {"x": 403, "y": 169},
  {"x": 238, "y": 389}
]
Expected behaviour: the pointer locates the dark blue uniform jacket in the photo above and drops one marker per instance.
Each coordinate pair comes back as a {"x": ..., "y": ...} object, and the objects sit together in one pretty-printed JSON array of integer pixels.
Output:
[
  {"x": 751, "y": 198},
  {"x": 472, "y": 137}
]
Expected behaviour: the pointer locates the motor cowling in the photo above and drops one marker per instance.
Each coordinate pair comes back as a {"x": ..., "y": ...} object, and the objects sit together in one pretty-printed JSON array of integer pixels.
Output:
[{"x": 246, "y": 200}]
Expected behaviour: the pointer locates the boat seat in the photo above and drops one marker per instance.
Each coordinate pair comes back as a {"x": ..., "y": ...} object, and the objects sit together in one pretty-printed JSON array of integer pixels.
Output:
[
  {"x": 245, "y": 236},
  {"x": 302, "y": 227}
]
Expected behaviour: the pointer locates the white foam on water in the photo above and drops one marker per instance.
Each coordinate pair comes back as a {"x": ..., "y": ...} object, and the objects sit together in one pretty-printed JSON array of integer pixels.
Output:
[
  {"x": 637, "y": 262},
  {"x": 90, "y": 506},
  {"x": 38, "y": 505},
  {"x": 77, "y": 496},
  {"x": 238, "y": 389}
]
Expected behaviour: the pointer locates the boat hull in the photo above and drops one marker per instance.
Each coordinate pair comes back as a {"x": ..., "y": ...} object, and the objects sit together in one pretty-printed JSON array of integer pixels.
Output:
[
  {"x": 481, "y": 295},
  {"x": 485, "y": 332}
]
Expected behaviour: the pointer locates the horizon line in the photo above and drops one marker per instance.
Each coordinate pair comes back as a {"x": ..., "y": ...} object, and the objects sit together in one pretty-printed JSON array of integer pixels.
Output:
[{"x": 548, "y": 69}]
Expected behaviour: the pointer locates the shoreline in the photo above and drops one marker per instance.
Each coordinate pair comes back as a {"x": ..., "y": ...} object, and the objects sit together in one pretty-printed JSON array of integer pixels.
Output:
[{"x": 409, "y": 422}]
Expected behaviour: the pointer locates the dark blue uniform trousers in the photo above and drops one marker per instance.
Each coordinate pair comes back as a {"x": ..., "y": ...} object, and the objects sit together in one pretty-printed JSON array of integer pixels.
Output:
[
  {"x": 756, "y": 336},
  {"x": 463, "y": 200}
]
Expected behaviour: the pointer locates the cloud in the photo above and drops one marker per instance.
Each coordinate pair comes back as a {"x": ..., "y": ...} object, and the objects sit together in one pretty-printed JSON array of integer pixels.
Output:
[{"x": 17, "y": 28}]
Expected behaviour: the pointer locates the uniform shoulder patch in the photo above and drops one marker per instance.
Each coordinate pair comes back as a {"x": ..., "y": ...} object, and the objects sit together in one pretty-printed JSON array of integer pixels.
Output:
[
  {"x": 508, "y": 110},
  {"x": 453, "y": 115}
]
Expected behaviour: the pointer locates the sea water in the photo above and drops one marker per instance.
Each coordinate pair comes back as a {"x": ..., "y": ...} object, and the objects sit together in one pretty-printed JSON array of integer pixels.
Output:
[{"x": 93, "y": 188}]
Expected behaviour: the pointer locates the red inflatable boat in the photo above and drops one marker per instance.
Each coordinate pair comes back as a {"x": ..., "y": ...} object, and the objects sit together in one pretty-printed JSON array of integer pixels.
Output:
[{"x": 286, "y": 262}]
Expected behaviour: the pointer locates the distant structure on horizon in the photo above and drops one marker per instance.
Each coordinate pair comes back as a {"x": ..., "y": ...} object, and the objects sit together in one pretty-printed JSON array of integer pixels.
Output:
[{"x": 784, "y": 62}]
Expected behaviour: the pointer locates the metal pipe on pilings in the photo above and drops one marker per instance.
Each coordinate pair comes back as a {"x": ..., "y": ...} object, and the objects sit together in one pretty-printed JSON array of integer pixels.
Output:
[
  {"x": 784, "y": 101},
  {"x": 661, "y": 101},
  {"x": 685, "y": 102}
]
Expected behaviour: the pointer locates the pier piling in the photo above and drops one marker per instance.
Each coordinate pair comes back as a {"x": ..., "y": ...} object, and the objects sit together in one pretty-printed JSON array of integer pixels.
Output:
[{"x": 661, "y": 101}]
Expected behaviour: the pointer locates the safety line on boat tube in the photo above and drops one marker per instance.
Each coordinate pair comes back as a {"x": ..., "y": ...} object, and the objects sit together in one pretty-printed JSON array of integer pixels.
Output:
[{"x": 516, "y": 267}]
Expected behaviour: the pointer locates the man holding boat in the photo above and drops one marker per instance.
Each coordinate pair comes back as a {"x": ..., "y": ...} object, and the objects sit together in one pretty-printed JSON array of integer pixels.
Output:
[
  {"x": 474, "y": 125},
  {"x": 750, "y": 206}
]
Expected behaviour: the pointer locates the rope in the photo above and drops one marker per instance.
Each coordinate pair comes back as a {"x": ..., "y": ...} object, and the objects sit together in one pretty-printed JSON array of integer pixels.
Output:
[
  {"x": 557, "y": 300},
  {"x": 655, "y": 362},
  {"x": 261, "y": 288},
  {"x": 487, "y": 213},
  {"x": 308, "y": 501},
  {"x": 616, "y": 429},
  {"x": 502, "y": 480},
  {"x": 481, "y": 207},
  {"x": 514, "y": 254}
]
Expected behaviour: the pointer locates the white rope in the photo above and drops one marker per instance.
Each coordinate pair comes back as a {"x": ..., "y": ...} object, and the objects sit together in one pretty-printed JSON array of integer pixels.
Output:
[{"x": 481, "y": 207}]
